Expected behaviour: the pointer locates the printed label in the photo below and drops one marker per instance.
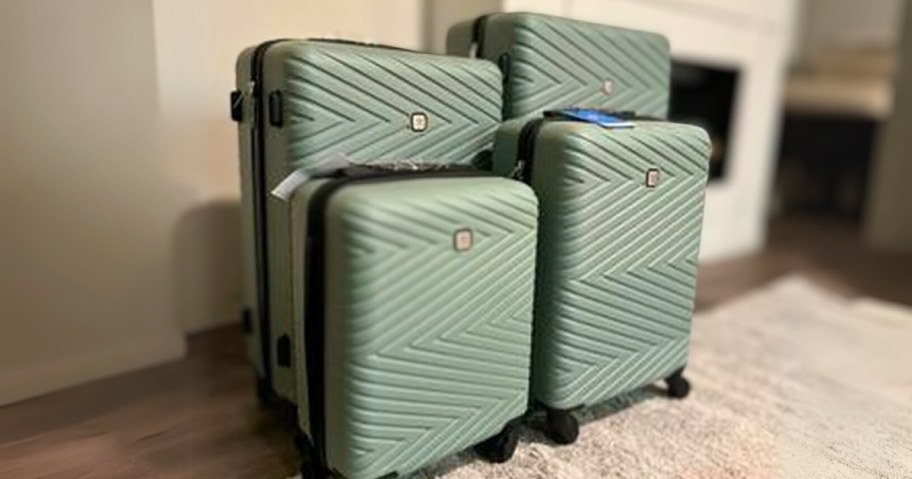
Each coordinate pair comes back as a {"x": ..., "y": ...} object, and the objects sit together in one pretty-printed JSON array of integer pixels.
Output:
[
  {"x": 286, "y": 188},
  {"x": 463, "y": 240},
  {"x": 419, "y": 122},
  {"x": 652, "y": 178}
]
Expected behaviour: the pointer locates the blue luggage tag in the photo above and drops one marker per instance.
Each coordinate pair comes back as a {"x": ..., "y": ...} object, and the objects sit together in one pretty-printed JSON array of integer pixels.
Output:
[{"x": 597, "y": 117}]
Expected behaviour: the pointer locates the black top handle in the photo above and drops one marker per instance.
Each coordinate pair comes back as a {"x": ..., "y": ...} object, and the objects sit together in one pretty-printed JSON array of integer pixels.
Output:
[
  {"x": 400, "y": 169},
  {"x": 341, "y": 41}
]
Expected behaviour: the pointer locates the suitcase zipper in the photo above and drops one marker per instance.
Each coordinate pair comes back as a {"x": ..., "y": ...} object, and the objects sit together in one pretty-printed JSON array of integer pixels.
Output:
[
  {"x": 256, "y": 93},
  {"x": 315, "y": 279},
  {"x": 528, "y": 137},
  {"x": 504, "y": 63},
  {"x": 479, "y": 26},
  {"x": 258, "y": 169},
  {"x": 525, "y": 155}
]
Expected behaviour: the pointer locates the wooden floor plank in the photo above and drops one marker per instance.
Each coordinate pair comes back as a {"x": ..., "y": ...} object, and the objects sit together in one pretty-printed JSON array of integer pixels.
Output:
[{"x": 198, "y": 417}]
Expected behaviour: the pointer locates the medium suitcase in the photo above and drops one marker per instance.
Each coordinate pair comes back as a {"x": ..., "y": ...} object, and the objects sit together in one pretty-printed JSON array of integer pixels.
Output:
[
  {"x": 552, "y": 62},
  {"x": 621, "y": 217},
  {"x": 299, "y": 103},
  {"x": 413, "y": 323}
]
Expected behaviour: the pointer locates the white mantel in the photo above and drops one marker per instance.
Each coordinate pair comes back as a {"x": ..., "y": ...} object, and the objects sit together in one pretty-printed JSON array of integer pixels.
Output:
[{"x": 749, "y": 35}]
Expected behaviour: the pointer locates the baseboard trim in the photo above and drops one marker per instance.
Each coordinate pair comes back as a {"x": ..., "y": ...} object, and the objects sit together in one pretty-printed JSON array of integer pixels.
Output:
[{"x": 40, "y": 379}]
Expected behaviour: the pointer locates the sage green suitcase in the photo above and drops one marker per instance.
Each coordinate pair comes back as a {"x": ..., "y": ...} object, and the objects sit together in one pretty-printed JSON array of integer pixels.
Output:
[
  {"x": 551, "y": 62},
  {"x": 299, "y": 104},
  {"x": 413, "y": 323},
  {"x": 621, "y": 217}
]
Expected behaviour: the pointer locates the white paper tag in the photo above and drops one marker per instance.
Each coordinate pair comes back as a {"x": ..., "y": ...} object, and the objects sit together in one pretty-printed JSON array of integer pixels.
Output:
[{"x": 286, "y": 188}]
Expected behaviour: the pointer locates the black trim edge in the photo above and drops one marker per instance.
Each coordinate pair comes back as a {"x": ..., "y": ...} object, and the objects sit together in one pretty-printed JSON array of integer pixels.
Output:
[
  {"x": 283, "y": 351},
  {"x": 525, "y": 154},
  {"x": 247, "y": 320},
  {"x": 315, "y": 283},
  {"x": 258, "y": 168}
]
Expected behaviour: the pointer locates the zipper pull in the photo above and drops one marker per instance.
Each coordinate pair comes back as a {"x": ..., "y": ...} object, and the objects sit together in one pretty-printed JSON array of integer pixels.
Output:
[
  {"x": 516, "y": 174},
  {"x": 254, "y": 118}
]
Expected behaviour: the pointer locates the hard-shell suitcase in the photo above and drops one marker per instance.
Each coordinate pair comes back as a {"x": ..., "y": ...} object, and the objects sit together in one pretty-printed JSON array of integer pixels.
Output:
[
  {"x": 299, "y": 103},
  {"x": 551, "y": 62},
  {"x": 621, "y": 217},
  {"x": 413, "y": 323}
]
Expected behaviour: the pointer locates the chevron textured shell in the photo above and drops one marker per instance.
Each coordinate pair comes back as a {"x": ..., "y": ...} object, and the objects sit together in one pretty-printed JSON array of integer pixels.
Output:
[
  {"x": 558, "y": 62},
  {"x": 357, "y": 101},
  {"x": 429, "y": 346},
  {"x": 617, "y": 258}
]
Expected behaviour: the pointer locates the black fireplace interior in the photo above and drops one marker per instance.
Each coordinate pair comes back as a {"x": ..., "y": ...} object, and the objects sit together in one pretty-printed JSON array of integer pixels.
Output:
[{"x": 704, "y": 95}]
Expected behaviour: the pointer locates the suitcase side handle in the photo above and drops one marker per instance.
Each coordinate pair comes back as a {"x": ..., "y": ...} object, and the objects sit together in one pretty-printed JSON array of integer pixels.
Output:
[{"x": 479, "y": 26}]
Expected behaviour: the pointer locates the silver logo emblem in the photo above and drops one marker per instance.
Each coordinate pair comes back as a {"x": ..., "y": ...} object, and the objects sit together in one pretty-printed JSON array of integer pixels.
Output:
[
  {"x": 418, "y": 122},
  {"x": 608, "y": 87},
  {"x": 652, "y": 178},
  {"x": 463, "y": 240}
]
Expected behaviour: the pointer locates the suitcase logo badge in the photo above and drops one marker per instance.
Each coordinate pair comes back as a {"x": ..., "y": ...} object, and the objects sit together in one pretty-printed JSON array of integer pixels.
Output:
[
  {"x": 463, "y": 240},
  {"x": 418, "y": 122},
  {"x": 652, "y": 178}
]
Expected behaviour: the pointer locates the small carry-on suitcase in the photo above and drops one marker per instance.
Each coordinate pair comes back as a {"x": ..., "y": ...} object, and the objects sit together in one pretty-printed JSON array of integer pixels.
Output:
[
  {"x": 300, "y": 103},
  {"x": 621, "y": 216},
  {"x": 551, "y": 62},
  {"x": 413, "y": 324}
]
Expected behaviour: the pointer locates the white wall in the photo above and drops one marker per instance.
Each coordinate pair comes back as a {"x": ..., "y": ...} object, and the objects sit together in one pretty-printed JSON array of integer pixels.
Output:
[
  {"x": 865, "y": 23},
  {"x": 119, "y": 191},
  {"x": 85, "y": 207},
  {"x": 197, "y": 44},
  {"x": 441, "y": 14}
]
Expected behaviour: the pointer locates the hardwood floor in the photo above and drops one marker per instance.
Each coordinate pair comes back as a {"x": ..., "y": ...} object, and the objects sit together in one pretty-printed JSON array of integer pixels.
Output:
[{"x": 198, "y": 417}]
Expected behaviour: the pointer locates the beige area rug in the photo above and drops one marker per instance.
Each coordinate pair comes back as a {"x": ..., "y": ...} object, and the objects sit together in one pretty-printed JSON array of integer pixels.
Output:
[{"x": 790, "y": 381}]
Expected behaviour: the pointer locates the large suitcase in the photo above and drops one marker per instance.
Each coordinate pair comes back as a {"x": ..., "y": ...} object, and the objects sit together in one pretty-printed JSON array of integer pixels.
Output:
[
  {"x": 413, "y": 323},
  {"x": 621, "y": 217},
  {"x": 299, "y": 103},
  {"x": 552, "y": 62}
]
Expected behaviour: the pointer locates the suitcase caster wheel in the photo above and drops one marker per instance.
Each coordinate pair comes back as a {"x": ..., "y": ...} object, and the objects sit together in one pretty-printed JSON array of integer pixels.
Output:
[
  {"x": 561, "y": 427},
  {"x": 302, "y": 444},
  {"x": 307, "y": 471},
  {"x": 500, "y": 448},
  {"x": 678, "y": 386},
  {"x": 308, "y": 468},
  {"x": 264, "y": 395}
]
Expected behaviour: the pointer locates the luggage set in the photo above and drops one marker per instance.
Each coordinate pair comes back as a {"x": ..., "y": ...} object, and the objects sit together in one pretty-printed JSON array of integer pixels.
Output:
[{"x": 456, "y": 271}]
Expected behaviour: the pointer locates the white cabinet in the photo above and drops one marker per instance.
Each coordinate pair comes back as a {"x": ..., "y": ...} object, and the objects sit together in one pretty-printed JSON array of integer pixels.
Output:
[
  {"x": 749, "y": 36},
  {"x": 754, "y": 41}
]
